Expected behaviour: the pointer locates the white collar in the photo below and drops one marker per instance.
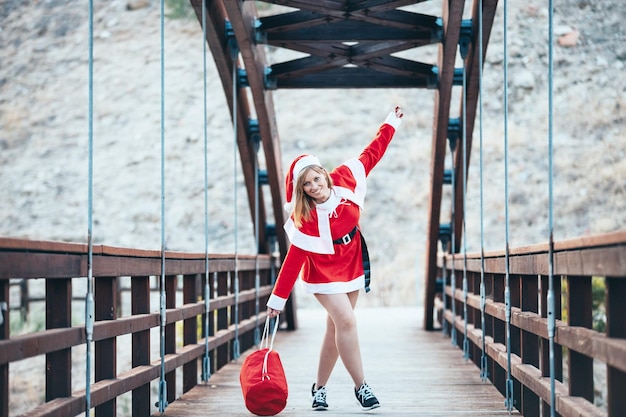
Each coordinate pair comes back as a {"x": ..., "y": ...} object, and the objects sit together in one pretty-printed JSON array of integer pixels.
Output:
[{"x": 330, "y": 204}]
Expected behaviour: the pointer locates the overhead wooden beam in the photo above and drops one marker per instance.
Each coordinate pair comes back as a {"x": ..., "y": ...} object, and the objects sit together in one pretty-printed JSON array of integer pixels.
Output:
[
  {"x": 386, "y": 65},
  {"x": 452, "y": 16},
  {"x": 341, "y": 8},
  {"x": 353, "y": 77},
  {"x": 401, "y": 26}
]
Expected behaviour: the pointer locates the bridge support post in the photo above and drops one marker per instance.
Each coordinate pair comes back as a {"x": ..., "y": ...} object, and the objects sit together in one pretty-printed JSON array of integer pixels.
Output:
[
  {"x": 58, "y": 315},
  {"x": 191, "y": 292},
  {"x": 140, "y": 304},
  {"x": 579, "y": 313},
  {"x": 4, "y": 334},
  {"x": 616, "y": 327},
  {"x": 106, "y": 357}
]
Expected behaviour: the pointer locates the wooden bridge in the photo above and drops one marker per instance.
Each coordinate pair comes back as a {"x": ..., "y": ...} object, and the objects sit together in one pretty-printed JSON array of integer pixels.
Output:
[
  {"x": 406, "y": 360},
  {"x": 514, "y": 335}
]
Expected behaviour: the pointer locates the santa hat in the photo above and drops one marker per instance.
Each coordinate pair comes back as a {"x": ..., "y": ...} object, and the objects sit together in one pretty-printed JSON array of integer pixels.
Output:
[{"x": 298, "y": 164}]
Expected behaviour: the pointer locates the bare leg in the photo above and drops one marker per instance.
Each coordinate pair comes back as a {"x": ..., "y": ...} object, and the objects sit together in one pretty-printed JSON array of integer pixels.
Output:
[
  {"x": 328, "y": 354},
  {"x": 341, "y": 338}
]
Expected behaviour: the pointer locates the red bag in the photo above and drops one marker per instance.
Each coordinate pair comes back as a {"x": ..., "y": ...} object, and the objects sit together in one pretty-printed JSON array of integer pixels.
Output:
[{"x": 262, "y": 378}]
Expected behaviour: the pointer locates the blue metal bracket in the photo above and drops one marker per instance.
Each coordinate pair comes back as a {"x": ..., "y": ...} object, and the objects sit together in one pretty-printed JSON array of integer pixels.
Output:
[
  {"x": 484, "y": 373},
  {"x": 457, "y": 79},
  {"x": 263, "y": 177},
  {"x": 254, "y": 133},
  {"x": 260, "y": 36},
  {"x": 242, "y": 78},
  {"x": 231, "y": 40},
  {"x": 509, "y": 401},
  {"x": 270, "y": 82},
  {"x": 162, "y": 402},
  {"x": 3, "y": 307},
  {"x": 465, "y": 38},
  {"x": 433, "y": 82},
  {"x": 454, "y": 129},
  {"x": 447, "y": 176},
  {"x": 206, "y": 368},
  {"x": 437, "y": 34},
  {"x": 445, "y": 234},
  {"x": 270, "y": 230},
  {"x": 465, "y": 319},
  {"x": 439, "y": 284}
]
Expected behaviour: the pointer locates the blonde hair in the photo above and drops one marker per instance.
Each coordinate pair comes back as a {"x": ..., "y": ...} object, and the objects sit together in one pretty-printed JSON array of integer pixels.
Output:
[{"x": 304, "y": 204}]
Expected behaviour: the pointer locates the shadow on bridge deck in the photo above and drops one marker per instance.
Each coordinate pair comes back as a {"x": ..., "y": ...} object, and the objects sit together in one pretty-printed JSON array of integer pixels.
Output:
[{"x": 413, "y": 373}]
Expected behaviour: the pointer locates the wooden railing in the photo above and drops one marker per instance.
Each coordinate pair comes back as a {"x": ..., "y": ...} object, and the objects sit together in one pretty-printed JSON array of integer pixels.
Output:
[
  {"x": 577, "y": 345},
  {"x": 61, "y": 264}
]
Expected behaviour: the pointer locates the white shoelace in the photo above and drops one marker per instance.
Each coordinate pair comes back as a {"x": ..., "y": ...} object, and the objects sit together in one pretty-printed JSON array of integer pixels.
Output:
[
  {"x": 320, "y": 394},
  {"x": 365, "y": 392}
]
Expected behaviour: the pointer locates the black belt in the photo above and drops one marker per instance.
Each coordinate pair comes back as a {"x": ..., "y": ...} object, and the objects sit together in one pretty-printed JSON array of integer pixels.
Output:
[
  {"x": 347, "y": 238},
  {"x": 344, "y": 240}
]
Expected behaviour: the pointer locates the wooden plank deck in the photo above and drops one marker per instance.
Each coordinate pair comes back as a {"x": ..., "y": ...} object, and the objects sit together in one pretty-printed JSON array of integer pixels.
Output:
[{"x": 412, "y": 371}]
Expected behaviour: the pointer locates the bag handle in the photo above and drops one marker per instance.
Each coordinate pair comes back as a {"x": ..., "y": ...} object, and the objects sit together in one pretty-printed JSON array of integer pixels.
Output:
[
  {"x": 265, "y": 337},
  {"x": 264, "y": 374}
]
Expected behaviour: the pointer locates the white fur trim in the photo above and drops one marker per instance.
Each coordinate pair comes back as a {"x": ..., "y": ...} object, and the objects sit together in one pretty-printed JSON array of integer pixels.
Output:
[
  {"x": 334, "y": 287},
  {"x": 276, "y": 302},
  {"x": 392, "y": 120},
  {"x": 319, "y": 244},
  {"x": 358, "y": 172},
  {"x": 303, "y": 163}
]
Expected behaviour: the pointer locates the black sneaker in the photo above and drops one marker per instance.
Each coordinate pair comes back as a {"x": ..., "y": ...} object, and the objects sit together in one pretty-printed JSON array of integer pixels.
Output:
[
  {"x": 319, "y": 398},
  {"x": 366, "y": 397}
]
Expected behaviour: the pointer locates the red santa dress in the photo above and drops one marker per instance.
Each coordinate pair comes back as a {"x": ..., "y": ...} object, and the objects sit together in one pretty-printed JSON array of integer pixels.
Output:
[{"x": 327, "y": 247}]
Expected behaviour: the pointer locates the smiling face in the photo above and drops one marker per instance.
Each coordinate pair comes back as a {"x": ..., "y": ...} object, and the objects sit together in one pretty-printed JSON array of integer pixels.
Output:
[
  {"x": 312, "y": 187},
  {"x": 315, "y": 184}
]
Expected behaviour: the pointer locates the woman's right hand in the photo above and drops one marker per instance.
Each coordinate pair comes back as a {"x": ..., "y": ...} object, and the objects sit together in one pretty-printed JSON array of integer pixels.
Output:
[{"x": 272, "y": 313}]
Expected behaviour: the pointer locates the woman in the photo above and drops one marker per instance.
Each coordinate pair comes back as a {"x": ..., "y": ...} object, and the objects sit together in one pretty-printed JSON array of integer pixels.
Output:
[{"x": 326, "y": 246}]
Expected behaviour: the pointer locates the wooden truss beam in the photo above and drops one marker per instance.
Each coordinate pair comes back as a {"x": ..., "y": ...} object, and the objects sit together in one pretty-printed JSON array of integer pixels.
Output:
[
  {"x": 243, "y": 17},
  {"x": 215, "y": 25},
  {"x": 350, "y": 45},
  {"x": 451, "y": 37},
  {"x": 472, "y": 62},
  {"x": 452, "y": 19}
]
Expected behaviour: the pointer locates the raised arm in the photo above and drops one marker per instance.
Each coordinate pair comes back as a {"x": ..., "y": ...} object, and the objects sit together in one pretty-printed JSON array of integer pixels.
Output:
[{"x": 377, "y": 147}]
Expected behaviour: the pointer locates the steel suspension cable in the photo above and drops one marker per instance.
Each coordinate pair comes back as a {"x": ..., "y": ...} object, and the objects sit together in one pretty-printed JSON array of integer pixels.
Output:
[
  {"x": 257, "y": 276},
  {"x": 452, "y": 247},
  {"x": 206, "y": 360},
  {"x": 483, "y": 358},
  {"x": 464, "y": 167},
  {"x": 162, "y": 403},
  {"x": 509, "y": 400},
  {"x": 551, "y": 295},
  {"x": 89, "y": 301},
  {"x": 236, "y": 349},
  {"x": 444, "y": 273}
]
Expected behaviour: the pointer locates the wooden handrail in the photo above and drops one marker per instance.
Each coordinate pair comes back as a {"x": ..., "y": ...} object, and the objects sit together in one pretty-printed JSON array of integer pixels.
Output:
[
  {"x": 58, "y": 263},
  {"x": 576, "y": 263}
]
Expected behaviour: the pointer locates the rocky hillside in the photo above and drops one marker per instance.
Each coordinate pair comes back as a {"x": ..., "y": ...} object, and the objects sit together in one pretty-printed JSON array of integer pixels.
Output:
[{"x": 44, "y": 133}]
